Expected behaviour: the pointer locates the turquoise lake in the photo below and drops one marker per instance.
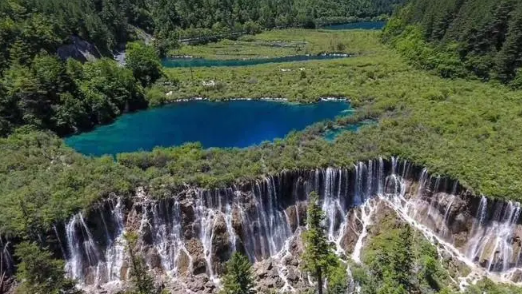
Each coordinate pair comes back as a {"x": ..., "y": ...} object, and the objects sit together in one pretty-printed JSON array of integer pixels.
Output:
[
  {"x": 214, "y": 124},
  {"x": 366, "y": 25},
  {"x": 202, "y": 62}
]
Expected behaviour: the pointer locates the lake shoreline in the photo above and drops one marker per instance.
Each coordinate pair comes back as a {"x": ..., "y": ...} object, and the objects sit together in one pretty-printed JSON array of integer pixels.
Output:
[
  {"x": 192, "y": 57},
  {"x": 271, "y": 99},
  {"x": 191, "y": 61},
  {"x": 236, "y": 124}
]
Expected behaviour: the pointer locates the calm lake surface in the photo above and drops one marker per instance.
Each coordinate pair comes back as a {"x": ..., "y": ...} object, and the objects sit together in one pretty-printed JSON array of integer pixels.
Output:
[
  {"x": 214, "y": 124},
  {"x": 202, "y": 62},
  {"x": 366, "y": 25}
]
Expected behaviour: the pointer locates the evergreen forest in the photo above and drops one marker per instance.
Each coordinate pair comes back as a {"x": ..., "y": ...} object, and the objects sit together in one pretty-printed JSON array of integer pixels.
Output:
[{"x": 462, "y": 38}]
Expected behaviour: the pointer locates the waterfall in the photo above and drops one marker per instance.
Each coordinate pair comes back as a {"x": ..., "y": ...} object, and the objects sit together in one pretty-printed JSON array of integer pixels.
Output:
[
  {"x": 477, "y": 225},
  {"x": 366, "y": 211},
  {"x": 207, "y": 217},
  {"x": 491, "y": 245},
  {"x": 494, "y": 241},
  {"x": 331, "y": 201},
  {"x": 360, "y": 170},
  {"x": 445, "y": 219},
  {"x": 380, "y": 177},
  {"x": 232, "y": 234},
  {"x": 85, "y": 254},
  {"x": 6, "y": 259},
  {"x": 193, "y": 233},
  {"x": 80, "y": 244},
  {"x": 116, "y": 244}
]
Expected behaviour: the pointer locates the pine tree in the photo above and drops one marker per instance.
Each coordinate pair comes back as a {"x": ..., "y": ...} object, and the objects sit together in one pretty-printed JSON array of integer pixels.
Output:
[
  {"x": 319, "y": 257},
  {"x": 238, "y": 278},
  {"x": 19, "y": 53}
]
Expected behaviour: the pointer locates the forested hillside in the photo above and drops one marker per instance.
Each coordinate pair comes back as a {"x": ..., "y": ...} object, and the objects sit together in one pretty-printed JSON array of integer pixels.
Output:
[
  {"x": 38, "y": 25},
  {"x": 46, "y": 93},
  {"x": 457, "y": 38},
  {"x": 41, "y": 89}
]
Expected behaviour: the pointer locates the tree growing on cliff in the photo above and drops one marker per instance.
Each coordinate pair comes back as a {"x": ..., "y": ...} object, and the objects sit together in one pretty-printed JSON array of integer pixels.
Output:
[
  {"x": 238, "y": 278},
  {"x": 143, "y": 283},
  {"x": 39, "y": 272},
  {"x": 319, "y": 257}
]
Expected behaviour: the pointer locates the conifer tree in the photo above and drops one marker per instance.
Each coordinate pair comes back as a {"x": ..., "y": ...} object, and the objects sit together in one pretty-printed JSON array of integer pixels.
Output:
[
  {"x": 238, "y": 278},
  {"x": 319, "y": 257}
]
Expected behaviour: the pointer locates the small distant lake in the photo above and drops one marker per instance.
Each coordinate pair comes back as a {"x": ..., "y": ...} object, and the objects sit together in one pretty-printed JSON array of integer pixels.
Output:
[
  {"x": 365, "y": 25},
  {"x": 202, "y": 62},
  {"x": 214, "y": 124}
]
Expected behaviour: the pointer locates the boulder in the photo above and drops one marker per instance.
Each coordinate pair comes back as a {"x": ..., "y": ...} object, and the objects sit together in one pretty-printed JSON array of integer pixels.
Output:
[
  {"x": 237, "y": 221},
  {"x": 293, "y": 216},
  {"x": 183, "y": 263},
  {"x": 220, "y": 244},
  {"x": 195, "y": 249},
  {"x": 154, "y": 259}
]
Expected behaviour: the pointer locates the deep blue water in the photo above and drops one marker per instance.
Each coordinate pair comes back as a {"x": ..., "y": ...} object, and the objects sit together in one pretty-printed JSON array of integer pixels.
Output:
[
  {"x": 214, "y": 124},
  {"x": 202, "y": 62},
  {"x": 365, "y": 25}
]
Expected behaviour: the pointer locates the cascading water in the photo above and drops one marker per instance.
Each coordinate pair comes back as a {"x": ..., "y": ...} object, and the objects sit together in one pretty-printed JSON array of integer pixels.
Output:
[
  {"x": 82, "y": 249},
  {"x": 6, "y": 260},
  {"x": 367, "y": 210},
  {"x": 492, "y": 243},
  {"x": 86, "y": 262},
  {"x": 478, "y": 223},
  {"x": 111, "y": 271},
  {"x": 196, "y": 231}
]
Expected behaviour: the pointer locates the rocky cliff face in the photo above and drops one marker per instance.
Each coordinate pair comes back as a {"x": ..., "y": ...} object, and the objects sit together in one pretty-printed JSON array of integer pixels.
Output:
[
  {"x": 78, "y": 49},
  {"x": 186, "y": 239}
]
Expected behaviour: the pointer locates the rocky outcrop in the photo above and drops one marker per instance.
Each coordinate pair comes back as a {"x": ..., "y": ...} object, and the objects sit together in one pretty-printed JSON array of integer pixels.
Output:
[{"x": 78, "y": 49}]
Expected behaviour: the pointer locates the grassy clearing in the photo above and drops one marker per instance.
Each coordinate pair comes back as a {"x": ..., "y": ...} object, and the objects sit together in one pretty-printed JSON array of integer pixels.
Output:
[
  {"x": 297, "y": 81},
  {"x": 278, "y": 43}
]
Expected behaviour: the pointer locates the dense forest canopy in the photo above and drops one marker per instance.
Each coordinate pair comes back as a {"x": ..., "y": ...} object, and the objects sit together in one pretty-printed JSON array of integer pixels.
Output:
[{"x": 457, "y": 38}]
